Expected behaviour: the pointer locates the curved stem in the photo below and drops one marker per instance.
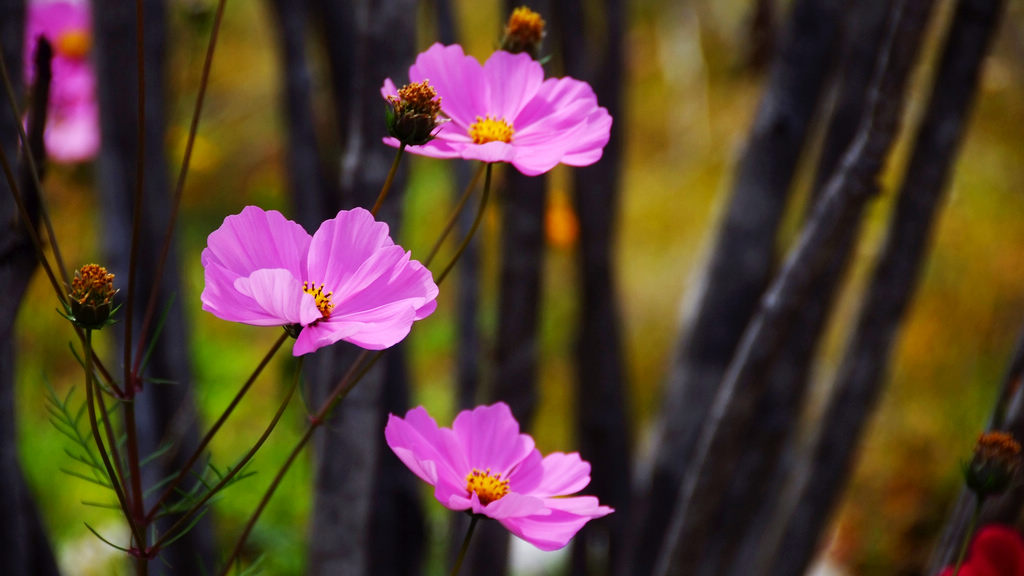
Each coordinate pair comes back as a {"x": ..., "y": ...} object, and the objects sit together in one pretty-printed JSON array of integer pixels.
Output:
[
  {"x": 455, "y": 215},
  {"x": 351, "y": 378},
  {"x": 135, "y": 481},
  {"x": 179, "y": 187},
  {"x": 187, "y": 467},
  {"x": 169, "y": 533},
  {"x": 968, "y": 534},
  {"x": 472, "y": 229},
  {"x": 137, "y": 532},
  {"x": 387, "y": 182},
  {"x": 108, "y": 429},
  {"x": 465, "y": 544}
]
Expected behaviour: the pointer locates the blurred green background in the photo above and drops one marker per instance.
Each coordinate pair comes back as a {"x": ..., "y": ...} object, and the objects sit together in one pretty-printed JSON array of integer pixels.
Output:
[{"x": 690, "y": 99}]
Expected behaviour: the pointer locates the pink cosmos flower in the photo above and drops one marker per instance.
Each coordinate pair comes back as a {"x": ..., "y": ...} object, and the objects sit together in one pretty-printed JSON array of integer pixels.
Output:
[
  {"x": 504, "y": 111},
  {"x": 484, "y": 465},
  {"x": 72, "y": 131},
  {"x": 349, "y": 281},
  {"x": 996, "y": 551}
]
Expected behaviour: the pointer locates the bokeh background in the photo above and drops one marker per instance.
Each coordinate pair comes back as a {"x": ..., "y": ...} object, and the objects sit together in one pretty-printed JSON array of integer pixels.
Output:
[{"x": 690, "y": 97}]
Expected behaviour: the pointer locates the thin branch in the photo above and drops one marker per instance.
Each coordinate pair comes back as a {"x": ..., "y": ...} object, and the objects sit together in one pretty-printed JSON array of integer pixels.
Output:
[{"x": 179, "y": 188}]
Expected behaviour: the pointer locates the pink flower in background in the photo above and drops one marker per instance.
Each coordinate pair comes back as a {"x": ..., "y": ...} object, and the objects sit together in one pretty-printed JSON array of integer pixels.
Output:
[
  {"x": 349, "y": 281},
  {"x": 484, "y": 465},
  {"x": 72, "y": 128},
  {"x": 996, "y": 551},
  {"x": 504, "y": 111}
]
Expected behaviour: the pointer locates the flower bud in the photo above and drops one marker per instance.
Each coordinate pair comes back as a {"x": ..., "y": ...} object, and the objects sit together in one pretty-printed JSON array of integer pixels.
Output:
[
  {"x": 91, "y": 297},
  {"x": 994, "y": 465},
  {"x": 412, "y": 115},
  {"x": 523, "y": 32}
]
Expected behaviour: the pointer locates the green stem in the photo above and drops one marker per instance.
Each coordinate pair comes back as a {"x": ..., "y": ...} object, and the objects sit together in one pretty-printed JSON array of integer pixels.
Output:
[
  {"x": 472, "y": 230},
  {"x": 187, "y": 467},
  {"x": 969, "y": 534},
  {"x": 170, "y": 532},
  {"x": 387, "y": 183},
  {"x": 137, "y": 532},
  {"x": 108, "y": 429},
  {"x": 351, "y": 378},
  {"x": 455, "y": 215},
  {"x": 465, "y": 545}
]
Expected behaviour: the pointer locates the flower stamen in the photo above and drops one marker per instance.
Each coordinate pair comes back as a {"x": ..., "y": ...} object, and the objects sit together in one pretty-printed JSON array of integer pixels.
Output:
[
  {"x": 487, "y": 487},
  {"x": 490, "y": 129},
  {"x": 412, "y": 115},
  {"x": 323, "y": 301}
]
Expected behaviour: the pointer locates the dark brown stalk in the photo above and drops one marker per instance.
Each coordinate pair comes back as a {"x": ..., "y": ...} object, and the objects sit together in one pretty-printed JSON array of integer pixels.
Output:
[
  {"x": 740, "y": 529},
  {"x": 602, "y": 406},
  {"x": 364, "y": 42},
  {"x": 721, "y": 440},
  {"x": 23, "y": 541},
  {"x": 742, "y": 260},
  {"x": 165, "y": 413}
]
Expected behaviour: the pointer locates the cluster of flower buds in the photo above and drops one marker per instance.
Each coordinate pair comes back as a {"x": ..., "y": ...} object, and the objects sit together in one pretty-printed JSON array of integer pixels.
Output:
[
  {"x": 412, "y": 115},
  {"x": 523, "y": 32},
  {"x": 91, "y": 298}
]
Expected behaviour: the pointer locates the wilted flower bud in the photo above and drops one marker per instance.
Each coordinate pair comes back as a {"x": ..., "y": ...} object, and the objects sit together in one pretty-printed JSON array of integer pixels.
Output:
[
  {"x": 523, "y": 32},
  {"x": 91, "y": 297},
  {"x": 995, "y": 463},
  {"x": 412, "y": 115}
]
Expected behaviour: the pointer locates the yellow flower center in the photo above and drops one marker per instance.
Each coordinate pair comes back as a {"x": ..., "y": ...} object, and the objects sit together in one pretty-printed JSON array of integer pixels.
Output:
[
  {"x": 323, "y": 301},
  {"x": 489, "y": 129},
  {"x": 488, "y": 488},
  {"x": 74, "y": 44}
]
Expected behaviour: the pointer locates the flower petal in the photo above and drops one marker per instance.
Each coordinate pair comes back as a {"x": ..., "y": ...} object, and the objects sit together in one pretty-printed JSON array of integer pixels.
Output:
[
  {"x": 376, "y": 289},
  {"x": 589, "y": 145},
  {"x": 388, "y": 89},
  {"x": 513, "y": 80},
  {"x": 341, "y": 247},
  {"x": 556, "y": 529},
  {"x": 490, "y": 152},
  {"x": 279, "y": 296},
  {"x": 490, "y": 435},
  {"x": 457, "y": 78},
  {"x": 999, "y": 550},
  {"x": 431, "y": 453},
  {"x": 321, "y": 334},
  {"x": 557, "y": 474},
  {"x": 255, "y": 239},
  {"x": 73, "y": 134},
  {"x": 512, "y": 505}
]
